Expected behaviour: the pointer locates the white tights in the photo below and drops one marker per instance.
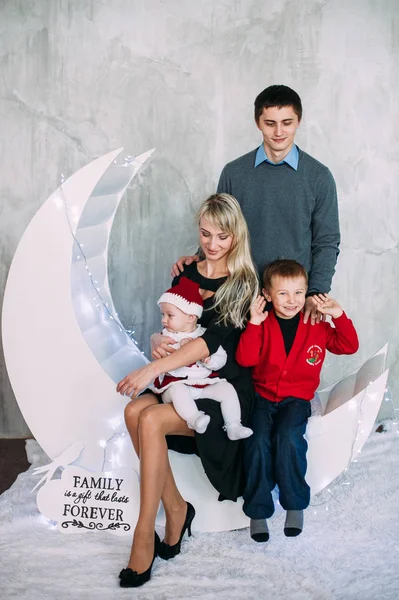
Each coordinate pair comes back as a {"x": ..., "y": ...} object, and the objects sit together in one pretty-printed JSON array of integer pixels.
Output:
[{"x": 182, "y": 397}]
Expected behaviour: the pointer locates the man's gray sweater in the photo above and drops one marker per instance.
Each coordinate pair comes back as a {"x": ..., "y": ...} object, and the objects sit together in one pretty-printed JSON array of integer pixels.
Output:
[{"x": 290, "y": 214}]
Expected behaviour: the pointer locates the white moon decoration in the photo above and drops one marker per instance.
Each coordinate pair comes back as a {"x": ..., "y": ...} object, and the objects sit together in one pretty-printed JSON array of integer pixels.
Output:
[
  {"x": 350, "y": 408},
  {"x": 68, "y": 350},
  {"x": 61, "y": 347}
]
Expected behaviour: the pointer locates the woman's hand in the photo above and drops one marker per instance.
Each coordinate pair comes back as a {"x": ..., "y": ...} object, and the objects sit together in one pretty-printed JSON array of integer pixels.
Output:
[
  {"x": 327, "y": 306},
  {"x": 161, "y": 345},
  {"x": 256, "y": 311},
  {"x": 185, "y": 341},
  {"x": 137, "y": 380}
]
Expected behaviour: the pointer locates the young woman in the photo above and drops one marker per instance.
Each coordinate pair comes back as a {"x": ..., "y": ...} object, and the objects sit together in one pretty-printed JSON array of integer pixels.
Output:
[{"x": 228, "y": 285}]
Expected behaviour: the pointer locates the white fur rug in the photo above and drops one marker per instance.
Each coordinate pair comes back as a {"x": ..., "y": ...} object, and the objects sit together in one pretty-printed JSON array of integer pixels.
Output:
[{"x": 349, "y": 549}]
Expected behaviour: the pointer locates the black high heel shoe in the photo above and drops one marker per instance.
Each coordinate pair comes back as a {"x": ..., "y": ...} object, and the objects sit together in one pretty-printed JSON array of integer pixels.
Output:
[
  {"x": 165, "y": 551},
  {"x": 130, "y": 578}
]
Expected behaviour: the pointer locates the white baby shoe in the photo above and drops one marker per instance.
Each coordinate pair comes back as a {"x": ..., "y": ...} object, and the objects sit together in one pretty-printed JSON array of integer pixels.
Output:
[
  {"x": 236, "y": 431},
  {"x": 200, "y": 423}
]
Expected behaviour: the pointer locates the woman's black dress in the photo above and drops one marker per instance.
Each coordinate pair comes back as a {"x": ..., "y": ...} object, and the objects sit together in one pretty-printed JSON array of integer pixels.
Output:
[{"x": 220, "y": 457}]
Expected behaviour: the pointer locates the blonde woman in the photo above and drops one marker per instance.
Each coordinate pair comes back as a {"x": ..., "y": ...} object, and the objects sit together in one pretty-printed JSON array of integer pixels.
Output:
[{"x": 228, "y": 285}]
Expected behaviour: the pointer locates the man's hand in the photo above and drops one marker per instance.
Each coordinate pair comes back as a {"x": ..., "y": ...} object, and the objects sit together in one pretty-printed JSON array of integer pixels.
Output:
[
  {"x": 257, "y": 316},
  {"x": 138, "y": 380},
  {"x": 327, "y": 306},
  {"x": 310, "y": 310},
  {"x": 161, "y": 345},
  {"x": 178, "y": 267}
]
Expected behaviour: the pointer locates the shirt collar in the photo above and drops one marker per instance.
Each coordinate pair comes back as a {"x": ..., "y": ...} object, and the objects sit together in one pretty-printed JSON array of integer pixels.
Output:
[{"x": 291, "y": 159}]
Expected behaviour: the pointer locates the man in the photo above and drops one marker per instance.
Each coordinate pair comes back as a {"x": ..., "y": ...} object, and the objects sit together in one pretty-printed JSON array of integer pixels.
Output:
[{"x": 288, "y": 198}]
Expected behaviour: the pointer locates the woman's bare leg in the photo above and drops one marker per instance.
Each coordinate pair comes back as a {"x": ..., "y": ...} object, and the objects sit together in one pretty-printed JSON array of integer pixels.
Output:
[
  {"x": 155, "y": 421},
  {"x": 174, "y": 505},
  {"x": 133, "y": 411}
]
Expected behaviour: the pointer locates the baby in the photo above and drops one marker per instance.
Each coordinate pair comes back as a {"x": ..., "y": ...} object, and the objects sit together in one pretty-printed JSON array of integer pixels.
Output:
[{"x": 181, "y": 306}]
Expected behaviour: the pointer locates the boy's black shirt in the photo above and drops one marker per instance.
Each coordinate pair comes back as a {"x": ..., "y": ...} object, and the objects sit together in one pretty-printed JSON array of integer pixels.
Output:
[{"x": 288, "y": 329}]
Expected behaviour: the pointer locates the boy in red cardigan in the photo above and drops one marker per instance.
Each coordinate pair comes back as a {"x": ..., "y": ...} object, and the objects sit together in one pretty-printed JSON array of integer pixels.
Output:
[{"x": 286, "y": 356}]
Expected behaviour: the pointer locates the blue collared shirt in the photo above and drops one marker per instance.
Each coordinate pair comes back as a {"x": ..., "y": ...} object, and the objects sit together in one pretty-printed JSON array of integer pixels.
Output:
[{"x": 291, "y": 159}]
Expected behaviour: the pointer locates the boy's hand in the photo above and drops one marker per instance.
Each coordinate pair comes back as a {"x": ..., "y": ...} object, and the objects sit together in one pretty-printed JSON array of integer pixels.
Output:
[
  {"x": 327, "y": 306},
  {"x": 178, "y": 267},
  {"x": 256, "y": 311}
]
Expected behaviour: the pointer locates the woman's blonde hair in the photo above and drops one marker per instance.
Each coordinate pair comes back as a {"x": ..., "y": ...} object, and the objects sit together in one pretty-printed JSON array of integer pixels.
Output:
[{"x": 234, "y": 297}]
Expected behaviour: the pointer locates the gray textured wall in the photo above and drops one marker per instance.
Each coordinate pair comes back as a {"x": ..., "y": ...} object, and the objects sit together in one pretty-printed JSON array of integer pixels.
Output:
[{"x": 79, "y": 78}]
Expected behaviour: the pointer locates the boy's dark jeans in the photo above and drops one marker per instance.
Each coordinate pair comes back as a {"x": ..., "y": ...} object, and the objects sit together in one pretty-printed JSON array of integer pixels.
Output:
[{"x": 276, "y": 454}]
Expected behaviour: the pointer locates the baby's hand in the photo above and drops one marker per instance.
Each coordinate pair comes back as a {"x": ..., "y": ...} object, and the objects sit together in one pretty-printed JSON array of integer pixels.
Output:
[
  {"x": 256, "y": 311},
  {"x": 185, "y": 341},
  {"x": 327, "y": 306},
  {"x": 206, "y": 360}
]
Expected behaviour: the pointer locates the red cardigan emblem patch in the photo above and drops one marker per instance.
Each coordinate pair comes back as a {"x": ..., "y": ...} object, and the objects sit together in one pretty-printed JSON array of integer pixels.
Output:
[{"x": 314, "y": 354}]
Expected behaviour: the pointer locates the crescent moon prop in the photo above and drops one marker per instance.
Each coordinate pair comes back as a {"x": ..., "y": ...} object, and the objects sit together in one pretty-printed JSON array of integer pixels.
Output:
[
  {"x": 61, "y": 348},
  {"x": 349, "y": 408},
  {"x": 65, "y": 349}
]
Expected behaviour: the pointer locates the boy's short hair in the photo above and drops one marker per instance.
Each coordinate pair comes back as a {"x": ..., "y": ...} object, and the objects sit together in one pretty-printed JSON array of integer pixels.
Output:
[
  {"x": 286, "y": 268},
  {"x": 277, "y": 95}
]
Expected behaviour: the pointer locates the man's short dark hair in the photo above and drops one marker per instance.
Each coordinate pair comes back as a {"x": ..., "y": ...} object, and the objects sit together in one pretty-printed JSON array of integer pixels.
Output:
[
  {"x": 278, "y": 95},
  {"x": 286, "y": 268}
]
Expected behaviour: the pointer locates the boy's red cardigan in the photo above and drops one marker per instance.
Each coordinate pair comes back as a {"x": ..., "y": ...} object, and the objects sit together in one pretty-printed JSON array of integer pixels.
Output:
[{"x": 277, "y": 376}]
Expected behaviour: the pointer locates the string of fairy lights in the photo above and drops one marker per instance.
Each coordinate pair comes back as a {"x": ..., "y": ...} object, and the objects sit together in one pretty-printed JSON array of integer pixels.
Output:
[{"x": 98, "y": 298}]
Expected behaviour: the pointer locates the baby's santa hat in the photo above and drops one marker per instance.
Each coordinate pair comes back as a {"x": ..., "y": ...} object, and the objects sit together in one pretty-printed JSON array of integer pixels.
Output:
[{"x": 185, "y": 295}]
